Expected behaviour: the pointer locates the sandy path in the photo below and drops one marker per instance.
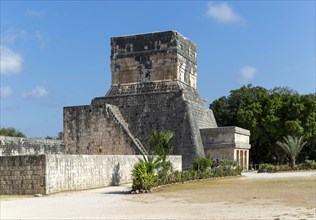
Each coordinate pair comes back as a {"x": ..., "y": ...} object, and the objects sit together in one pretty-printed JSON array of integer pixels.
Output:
[{"x": 225, "y": 198}]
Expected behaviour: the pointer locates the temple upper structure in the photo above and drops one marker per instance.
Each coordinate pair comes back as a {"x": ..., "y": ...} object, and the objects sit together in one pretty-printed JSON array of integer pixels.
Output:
[{"x": 153, "y": 57}]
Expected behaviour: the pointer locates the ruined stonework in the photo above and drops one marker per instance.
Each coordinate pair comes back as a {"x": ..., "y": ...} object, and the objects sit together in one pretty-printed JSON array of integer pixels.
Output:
[
  {"x": 13, "y": 146},
  {"x": 153, "y": 88}
]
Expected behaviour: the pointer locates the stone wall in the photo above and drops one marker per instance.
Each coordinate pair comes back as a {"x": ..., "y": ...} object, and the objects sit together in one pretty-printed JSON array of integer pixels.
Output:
[
  {"x": 12, "y": 146},
  {"x": 55, "y": 173},
  {"x": 94, "y": 130},
  {"x": 20, "y": 175}
]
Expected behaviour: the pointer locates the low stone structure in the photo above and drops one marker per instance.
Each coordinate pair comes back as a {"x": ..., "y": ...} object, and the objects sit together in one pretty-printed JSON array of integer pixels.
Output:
[
  {"x": 44, "y": 174},
  {"x": 13, "y": 146},
  {"x": 227, "y": 143}
]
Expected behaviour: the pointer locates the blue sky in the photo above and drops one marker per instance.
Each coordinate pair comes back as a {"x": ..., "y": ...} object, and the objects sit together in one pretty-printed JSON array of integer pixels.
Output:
[{"x": 56, "y": 54}]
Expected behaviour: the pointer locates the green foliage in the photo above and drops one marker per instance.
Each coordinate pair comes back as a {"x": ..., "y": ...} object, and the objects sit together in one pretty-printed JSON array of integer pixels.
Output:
[
  {"x": 151, "y": 162},
  {"x": 143, "y": 176},
  {"x": 144, "y": 172},
  {"x": 269, "y": 115},
  {"x": 159, "y": 143},
  {"x": 269, "y": 168},
  {"x": 164, "y": 170},
  {"x": 292, "y": 146},
  {"x": 229, "y": 163},
  {"x": 309, "y": 165},
  {"x": 58, "y": 137},
  {"x": 155, "y": 169},
  {"x": 190, "y": 175},
  {"x": 11, "y": 132},
  {"x": 201, "y": 163}
]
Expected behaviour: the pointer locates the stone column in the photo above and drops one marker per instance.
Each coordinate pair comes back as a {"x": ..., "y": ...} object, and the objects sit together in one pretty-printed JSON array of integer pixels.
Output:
[
  {"x": 247, "y": 159},
  {"x": 235, "y": 154},
  {"x": 241, "y": 158}
]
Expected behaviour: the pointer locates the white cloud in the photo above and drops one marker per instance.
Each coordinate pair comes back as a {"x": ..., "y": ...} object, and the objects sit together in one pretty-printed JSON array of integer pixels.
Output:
[
  {"x": 248, "y": 73},
  {"x": 10, "y": 61},
  {"x": 41, "y": 38},
  {"x": 5, "y": 91},
  {"x": 34, "y": 13},
  {"x": 11, "y": 35},
  {"x": 223, "y": 13},
  {"x": 37, "y": 92}
]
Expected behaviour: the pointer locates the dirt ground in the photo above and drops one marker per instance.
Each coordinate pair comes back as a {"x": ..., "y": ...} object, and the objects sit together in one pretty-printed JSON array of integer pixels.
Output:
[{"x": 252, "y": 196}]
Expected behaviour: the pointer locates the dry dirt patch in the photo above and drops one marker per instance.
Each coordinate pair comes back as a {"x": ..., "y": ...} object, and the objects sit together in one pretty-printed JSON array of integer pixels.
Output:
[{"x": 296, "y": 191}]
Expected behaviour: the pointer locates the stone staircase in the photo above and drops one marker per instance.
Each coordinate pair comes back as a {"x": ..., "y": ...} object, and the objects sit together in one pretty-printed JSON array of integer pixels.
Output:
[{"x": 116, "y": 115}]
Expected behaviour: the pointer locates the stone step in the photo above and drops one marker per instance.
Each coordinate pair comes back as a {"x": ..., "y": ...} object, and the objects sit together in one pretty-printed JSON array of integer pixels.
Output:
[{"x": 117, "y": 116}]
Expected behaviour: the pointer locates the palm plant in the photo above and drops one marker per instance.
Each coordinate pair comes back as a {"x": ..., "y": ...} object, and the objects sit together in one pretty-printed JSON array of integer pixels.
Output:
[
  {"x": 292, "y": 146},
  {"x": 159, "y": 143},
  {"x": 143, "y": 175},
  {"x": 144, "y": 172}
]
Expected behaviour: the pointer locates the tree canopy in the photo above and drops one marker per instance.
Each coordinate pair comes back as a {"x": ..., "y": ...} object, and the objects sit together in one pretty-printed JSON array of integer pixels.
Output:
[
  {"x": 269, "y": 115},
  {"x": 11, "y": 132}
]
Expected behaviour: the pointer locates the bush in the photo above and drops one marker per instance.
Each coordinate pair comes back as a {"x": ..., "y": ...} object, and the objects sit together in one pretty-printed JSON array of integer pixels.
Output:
[
  {"x": 201, "y": 163},
  {"x": 143, "y": 176},
  {"x": 164, "y": 170},
  {"x": 266, "y": 168},
  {"x": 230, "y": 163},
  {"x": 282, "y": 167},
  {"x": 309, "y": 165}
]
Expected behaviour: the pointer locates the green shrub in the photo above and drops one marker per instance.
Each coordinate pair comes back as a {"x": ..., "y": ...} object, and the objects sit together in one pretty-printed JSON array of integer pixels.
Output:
[
  {"x": 266, "y": 168},
  {"x": 164, "y": 169},
  {"x": 201, "y": 163},
  {"x": 230, "y": 163},
  {"x": 143, "y": 176},
  {"x": 310, "y": 164},
  {"x": 269, "y": 168},
  {"x": 282, "y": 167}
]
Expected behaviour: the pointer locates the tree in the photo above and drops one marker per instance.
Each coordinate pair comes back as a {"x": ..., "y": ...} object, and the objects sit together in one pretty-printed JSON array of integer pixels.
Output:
[
  {"x": 11, "y": 132},
  {"x": 292, "y": 146},
  {"x": 269, "y": 115},
  {"x": 58, "y": 137}
]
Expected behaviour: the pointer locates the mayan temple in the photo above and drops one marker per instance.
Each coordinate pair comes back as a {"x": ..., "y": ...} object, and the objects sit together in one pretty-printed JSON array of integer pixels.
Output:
[{"x": 154, "y": 87}]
